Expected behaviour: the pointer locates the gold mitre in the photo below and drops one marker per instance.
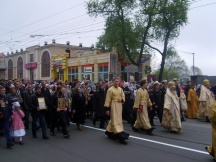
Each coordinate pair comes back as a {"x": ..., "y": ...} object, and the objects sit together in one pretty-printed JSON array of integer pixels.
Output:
[
  {"x": 206, "y": 82},
  {"x": 175, "y": 79},
  {"x": 164, "y": 82},
  {"x": 171, "y": 85}
]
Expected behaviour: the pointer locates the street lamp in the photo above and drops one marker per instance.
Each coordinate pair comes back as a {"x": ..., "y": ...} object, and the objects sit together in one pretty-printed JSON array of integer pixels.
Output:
[
  {"x": 193, "y": 59},
  {"x": 193, "y": 63}
]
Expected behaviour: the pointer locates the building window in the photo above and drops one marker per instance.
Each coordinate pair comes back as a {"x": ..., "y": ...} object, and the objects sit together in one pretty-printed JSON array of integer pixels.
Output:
[
  {"x": 45, "y": 65},
  {"x": 72, "y": 73},
  {"x": 31, "y": 57},
  {"x": 123, "y": 73},
  {"x": 103, "y": 72},
  {"x": 20, "y": 68},
  {"x": 10, "y": 69}
]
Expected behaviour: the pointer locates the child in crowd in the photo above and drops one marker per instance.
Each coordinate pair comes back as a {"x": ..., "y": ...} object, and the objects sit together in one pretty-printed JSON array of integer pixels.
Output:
[{"x": 17, "y": 127}]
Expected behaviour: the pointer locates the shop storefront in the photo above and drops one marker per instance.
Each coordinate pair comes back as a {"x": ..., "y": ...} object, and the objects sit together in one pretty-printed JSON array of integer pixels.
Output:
[
  {"x": 88, "y": 72},
  {"x": 59, "y": 67},
  {"x": 30, "y": 67}
]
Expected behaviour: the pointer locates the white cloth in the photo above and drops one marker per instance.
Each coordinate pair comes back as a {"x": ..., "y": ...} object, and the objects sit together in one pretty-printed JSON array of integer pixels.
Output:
[
  {"x": 15, "y": 104},
  {"x": 17, "y": 133}
]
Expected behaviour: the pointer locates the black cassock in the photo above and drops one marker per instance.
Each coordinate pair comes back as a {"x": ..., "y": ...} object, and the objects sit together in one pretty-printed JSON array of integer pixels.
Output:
[
  {"x": 78, "y": 104},
  {"x": 99, "y": 100},
  {"x": 127, "y": 106}
]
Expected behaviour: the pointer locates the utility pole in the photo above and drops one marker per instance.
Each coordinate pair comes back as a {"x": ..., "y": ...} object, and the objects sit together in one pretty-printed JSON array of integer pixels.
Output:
[{"x": 193, "y": 64}]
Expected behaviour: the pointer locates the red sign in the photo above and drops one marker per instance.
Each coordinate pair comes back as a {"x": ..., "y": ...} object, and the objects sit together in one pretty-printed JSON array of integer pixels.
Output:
[
  {"x": 31, "y": 65},
  {"x": 151, "y": 78}
]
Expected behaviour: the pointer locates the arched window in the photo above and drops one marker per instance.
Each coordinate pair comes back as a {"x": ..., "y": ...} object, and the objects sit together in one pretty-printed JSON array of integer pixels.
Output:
[
  {"x": 45, "y": 65},
  {"x": 20, "y": 68},
  {"x": 10, "y": 69}
]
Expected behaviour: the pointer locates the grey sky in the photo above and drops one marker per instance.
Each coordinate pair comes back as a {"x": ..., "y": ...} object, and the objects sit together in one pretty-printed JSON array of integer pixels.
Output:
[{"x": 74, "y": 25}]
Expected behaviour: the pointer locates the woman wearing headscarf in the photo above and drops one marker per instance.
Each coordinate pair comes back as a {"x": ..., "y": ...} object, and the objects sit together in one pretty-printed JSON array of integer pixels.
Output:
[{"x": 79, "y": 108}]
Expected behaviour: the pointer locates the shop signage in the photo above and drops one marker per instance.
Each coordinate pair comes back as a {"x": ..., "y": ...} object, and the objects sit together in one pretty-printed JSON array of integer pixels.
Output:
[
  {"x": 31, "y": 65},
  {"x": 131, "y": 68},
  {"x": 87, "y": 69}
]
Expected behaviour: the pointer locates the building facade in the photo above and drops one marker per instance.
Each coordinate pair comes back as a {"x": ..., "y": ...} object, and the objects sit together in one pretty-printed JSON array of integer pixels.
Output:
[
  {"x": 2, "y": 66},
  {"x": 67, "y": 62}
]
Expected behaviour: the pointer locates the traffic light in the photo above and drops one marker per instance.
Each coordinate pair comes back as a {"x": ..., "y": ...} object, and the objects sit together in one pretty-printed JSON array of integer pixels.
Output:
[
  {"x": 68, "y": 51},
  {"x": 147, "y": 69}
]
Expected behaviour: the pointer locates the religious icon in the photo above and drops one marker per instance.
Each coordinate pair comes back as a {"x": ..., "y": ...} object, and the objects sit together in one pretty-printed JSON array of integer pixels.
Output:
[
  {"x": 42, "y": 104},
  {"x": 66, "y": 103},
  {"x": 61, "y": 103}
]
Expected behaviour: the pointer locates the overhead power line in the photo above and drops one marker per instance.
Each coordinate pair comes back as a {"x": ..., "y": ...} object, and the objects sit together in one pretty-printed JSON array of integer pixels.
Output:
[
  {"x": 203, "y": 5},
  {"x": 44, "y": 18},
  {"x": 77, "y": 29}
]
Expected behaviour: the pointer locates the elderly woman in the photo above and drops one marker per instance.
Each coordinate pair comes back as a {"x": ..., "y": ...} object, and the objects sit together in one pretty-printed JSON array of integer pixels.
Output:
[{"x": 13, "y": 96}]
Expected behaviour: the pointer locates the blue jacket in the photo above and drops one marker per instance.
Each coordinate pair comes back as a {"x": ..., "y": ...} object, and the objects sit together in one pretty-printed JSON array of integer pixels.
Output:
[{"x": 7, "y": 110}]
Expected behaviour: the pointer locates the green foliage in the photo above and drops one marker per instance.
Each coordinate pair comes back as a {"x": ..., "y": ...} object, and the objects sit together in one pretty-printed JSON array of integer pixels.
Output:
[
  {"x": 132, "y": 26},
  {"x": 174, "y": 67},
  {"x": 167, "y": 74}
]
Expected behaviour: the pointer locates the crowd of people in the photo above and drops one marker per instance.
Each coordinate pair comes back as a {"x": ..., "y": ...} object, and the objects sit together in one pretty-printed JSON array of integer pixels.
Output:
[{"x": 53, "y": 105}]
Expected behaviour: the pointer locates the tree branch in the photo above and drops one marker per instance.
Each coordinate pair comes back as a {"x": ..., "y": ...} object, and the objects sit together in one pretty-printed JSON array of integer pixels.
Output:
[{"x": 154, "y": 48}]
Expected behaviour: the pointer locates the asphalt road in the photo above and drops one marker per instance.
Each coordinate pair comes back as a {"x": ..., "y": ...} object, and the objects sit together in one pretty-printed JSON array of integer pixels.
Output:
[{"x": 92, "y": 145}]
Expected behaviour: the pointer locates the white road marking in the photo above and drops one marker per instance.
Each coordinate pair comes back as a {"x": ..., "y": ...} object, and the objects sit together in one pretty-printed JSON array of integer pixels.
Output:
[{"x": 157, "y": 142}]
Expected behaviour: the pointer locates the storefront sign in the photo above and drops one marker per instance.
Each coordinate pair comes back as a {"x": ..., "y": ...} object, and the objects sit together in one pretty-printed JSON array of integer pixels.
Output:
[
  {"x": 131, "y": 69},
  {"x": 31, "y": 65},
  {"x": 87, "y": 69}
]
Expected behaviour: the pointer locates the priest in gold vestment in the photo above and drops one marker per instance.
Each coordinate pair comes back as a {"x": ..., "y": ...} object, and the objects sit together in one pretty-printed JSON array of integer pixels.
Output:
[
  {"x": 192, "y": 101},
  {"x": 206, "y": 100},
  {"x": 212, "y": 148},
  {"x": 141, "y": 104},
  {"x": 171, "y": 114},
  {"x": 114, "y": 99}
]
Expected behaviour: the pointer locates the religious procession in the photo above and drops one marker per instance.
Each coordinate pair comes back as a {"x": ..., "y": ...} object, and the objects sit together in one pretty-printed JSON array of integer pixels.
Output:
[{"x": 53, "y": 106}]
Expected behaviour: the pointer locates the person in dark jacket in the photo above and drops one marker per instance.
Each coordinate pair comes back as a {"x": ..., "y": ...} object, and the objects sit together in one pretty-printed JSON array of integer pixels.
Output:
[
  {"x": 27, "y": 104},
  {"x": 163, "y": 91},
  {"x": 46, "y": 93},
  {"x": 19, "y": 91},
  {"x": 79, "y": 108},
  {"x": 38, "y": 113},
  {"x": 126, "y": 114},
  {"x": 187, "y": 88},
  {"x": 5, "y": 115},
  {"x": 98, "y": 103},
  {"x": 157, "y": 97},
  {"x": 58, "y": 113},
  {"x": 90, "y": 102}
]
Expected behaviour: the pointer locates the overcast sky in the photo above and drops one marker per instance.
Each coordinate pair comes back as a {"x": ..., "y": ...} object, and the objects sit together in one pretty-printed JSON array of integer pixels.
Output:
[{"x": 26, "y": 23}]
